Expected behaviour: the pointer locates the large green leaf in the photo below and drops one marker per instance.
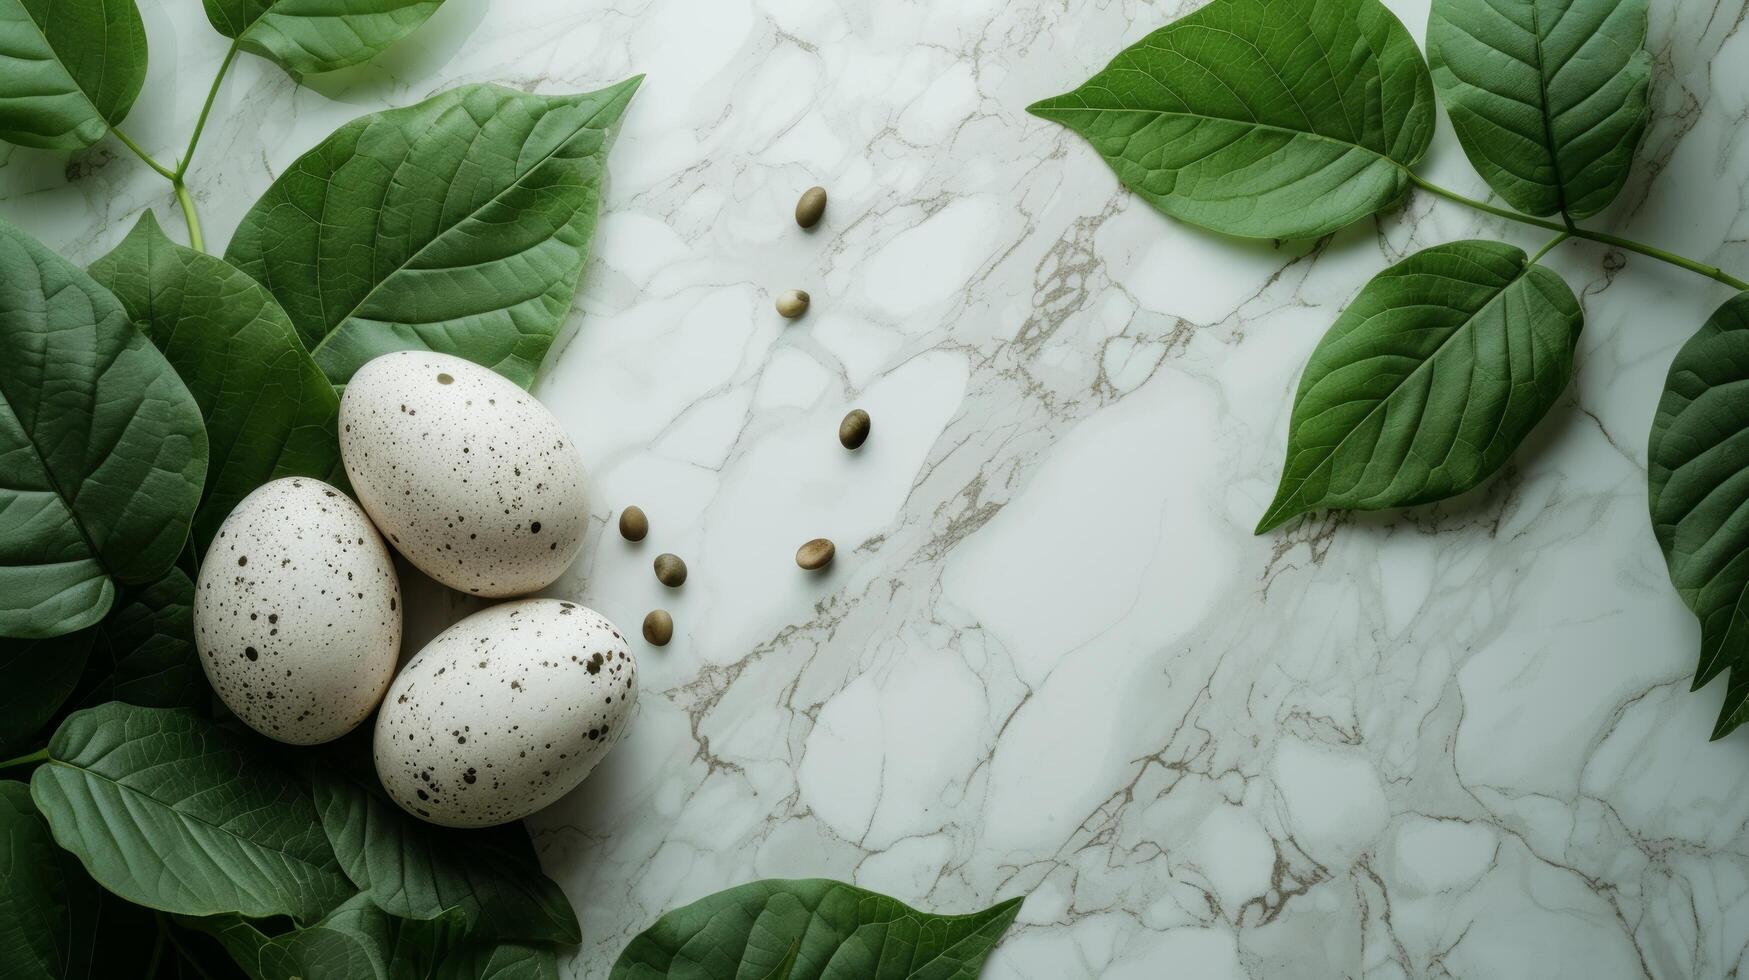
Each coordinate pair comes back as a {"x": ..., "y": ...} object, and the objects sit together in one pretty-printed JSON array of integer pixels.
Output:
[
  {"x": 169, "y": 811},
  {"x": 419, "y": 871},
  {"x": 1548, "y": 97},
  {"x": 269, "y": 410},
  {"x": 1698, "y": 471},
  {"x": 1262, "y": 118},
  {"x": 1428, "y": 381},
  {"x": 144, "y": 653},
  {"x": 36, "y": 678},
  {"x": 102, "y": 450},
  {"x": 839, "y": 931},
  {"x": 309, "y": 36},
  {"x": 69, "y": 69},
  {"x": 459, "y": 225}
]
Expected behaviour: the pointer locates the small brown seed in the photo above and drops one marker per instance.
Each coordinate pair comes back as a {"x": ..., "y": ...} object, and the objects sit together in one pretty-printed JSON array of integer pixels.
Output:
[
  {"x": 853, "y": 431},
  {"x": 670, "y": 570},
  {"x": 815, "y": 554},
  {"x": 633, "y": 525},
  {"x": 811, "y": 206},
  {"x": 658, "y": 627},
  {"x": 792, "y": 303}
]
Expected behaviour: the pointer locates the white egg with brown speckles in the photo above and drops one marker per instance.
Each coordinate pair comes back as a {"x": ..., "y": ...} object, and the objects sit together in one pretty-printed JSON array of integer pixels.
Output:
[
  {"x": 467, "y": 475},
  {"x": 504, "y": 712},
  {"x": 297, "y": 615}
]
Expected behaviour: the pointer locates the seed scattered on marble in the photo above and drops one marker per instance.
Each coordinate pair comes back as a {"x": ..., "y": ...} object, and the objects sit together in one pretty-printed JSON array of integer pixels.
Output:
[
  {"x": 811, "y": 206},
  {"x": 815, "y": 554},
  {"x": 658, "y": 627},
  {"x": 670, "y": 570},
  {"x": 633, "y": 525},
  {"x": 853, "y": 431},
  {"x": 792, "y": 303}
]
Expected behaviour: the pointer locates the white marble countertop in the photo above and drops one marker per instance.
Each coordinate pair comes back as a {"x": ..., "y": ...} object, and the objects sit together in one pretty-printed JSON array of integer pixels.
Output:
[{"x": 1051, "y": 658}]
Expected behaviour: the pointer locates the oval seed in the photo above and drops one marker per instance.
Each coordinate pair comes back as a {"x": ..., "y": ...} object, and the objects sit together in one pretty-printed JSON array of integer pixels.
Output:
[
  {"x": 658, "y": 627},
  {"x": 815, "y": 554},
  {"x": 811, "y": 206},
  {"x": 670, "y": 570},
  {"x": 853, "y": 431},
  {"x": 633, "y": 525},
  {"x": 792, "y": 304}
]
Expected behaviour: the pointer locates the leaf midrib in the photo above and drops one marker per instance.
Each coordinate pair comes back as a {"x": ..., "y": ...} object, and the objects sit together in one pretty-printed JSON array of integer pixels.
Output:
[
  {"x": 335, "y": 328},
  {"x": 1270, "y": 519},
  {"x": 193, "y": 818},
  {"x": 1044, "y": 113}
]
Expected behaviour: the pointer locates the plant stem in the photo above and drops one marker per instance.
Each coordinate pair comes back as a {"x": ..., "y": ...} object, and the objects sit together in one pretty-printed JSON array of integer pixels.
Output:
[
  {"x": 1558, "y": 239},
  {"x": 205, "y": 110},
  {"x": 163, "y": 171},
  {"x": 25, "y": 760},
  {"x": 195, "y": 241},
  {"x": 1710, "y": 271}
]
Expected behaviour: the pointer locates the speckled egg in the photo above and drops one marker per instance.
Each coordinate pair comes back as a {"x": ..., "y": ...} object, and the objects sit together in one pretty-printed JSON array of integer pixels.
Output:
[
  {"x": 504, "y": 712},
  {"x": 297, "y": 613},
  {"x": 465, "y": 473}
]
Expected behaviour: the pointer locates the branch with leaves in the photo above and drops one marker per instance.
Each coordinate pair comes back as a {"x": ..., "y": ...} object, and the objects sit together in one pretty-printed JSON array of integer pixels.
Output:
[{"x": 1291, "y": 119}]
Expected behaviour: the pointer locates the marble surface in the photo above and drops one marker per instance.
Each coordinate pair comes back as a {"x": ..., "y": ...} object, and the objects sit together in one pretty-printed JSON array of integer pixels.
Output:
[{"x": 1051, "y": 658}]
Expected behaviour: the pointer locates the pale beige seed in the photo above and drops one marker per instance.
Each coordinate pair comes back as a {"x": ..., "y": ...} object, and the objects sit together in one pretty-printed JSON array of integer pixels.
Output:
[
  {"x": 811, "y": 206},
  {"x": 633, "y": 525},
  {"x": 853, "y": 431},
  {"x": 658, "y": 627},
  {"x": 670, "y": 570},
  {"x": 792, "y": 303},
  {"x": 815, "y": 554}
]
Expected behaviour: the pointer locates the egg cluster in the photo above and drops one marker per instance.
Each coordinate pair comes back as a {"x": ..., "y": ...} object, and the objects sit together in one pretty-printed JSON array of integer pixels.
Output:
[{"x": 298, "y": 614}]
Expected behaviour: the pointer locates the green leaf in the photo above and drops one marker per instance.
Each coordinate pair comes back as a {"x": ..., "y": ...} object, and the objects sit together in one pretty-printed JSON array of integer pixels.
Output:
[
  {"x": 459, "y": 225},
  {"x": 269, "y": 410},
  {"x": 38, "y": 883},
  {"x": 419, "y": 871},
  {"x": 69, "y": 69},
  {"x": 1698, "y": 473},
  {"x": 502, "y": 961},
  {"x": 1548, "y": 97},
  {"x": 36, "y": 678},
  {"x": 171, "y": 812},
  {"x": 145, "y": 652},
  {"x": 1262, "y": 118},
  {"x": 310, "y": 36},
  {"x": 102, "y": 450},
  {"x": 1428, "y": 381},
  {"x": 841, "y": 933}
]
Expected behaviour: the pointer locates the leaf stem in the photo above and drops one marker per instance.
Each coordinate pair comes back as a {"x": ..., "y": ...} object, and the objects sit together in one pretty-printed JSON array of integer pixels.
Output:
[
  {"x": 25, "y": 760},
  {"x": 195, "y": 241},
  {"x": 163, "y": 171},
  {"x": 205, "y": 110},
  {"x": 1558, "y": 239},
  {"x": 1662, "y": 255}
]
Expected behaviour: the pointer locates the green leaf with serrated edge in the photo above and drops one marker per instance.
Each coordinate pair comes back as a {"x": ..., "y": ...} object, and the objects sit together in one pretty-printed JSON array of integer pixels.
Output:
[
  {"x": 842, "y": 933},
  {"x": 144, "y": 653},
  {"x": 36, "y": 678},
  {"x": 1262, "y": 118},
  {"x": 458, "y": 225},
  {"x": 416, "y": 870},
  {"x": 310, "y": 36},
  {"x": 69, "y": 69},
  {"x": 269, "y": 410},
  {"x": 123, "y": 782},
  {"x": 1428, "y": 381},
  {"x": 102, "y": 449},
  {"x": 1698, "y": 475},
  {"x": 1548, "y": 97}
]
